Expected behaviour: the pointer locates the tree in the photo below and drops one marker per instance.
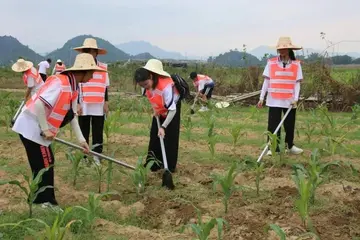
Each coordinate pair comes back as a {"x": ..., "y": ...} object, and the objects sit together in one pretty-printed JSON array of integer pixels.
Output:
[{"x": 342, "y": 59}]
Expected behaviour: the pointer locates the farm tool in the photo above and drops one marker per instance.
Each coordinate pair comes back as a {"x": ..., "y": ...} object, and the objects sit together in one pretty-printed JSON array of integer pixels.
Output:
[
  {"x": 275, "y": 132},
  {"x": 167, "y": 180},
  {"x": 17, "y": 113},
  {"x": 192, "y": 111},
  {"x": 95, "y": 153}
]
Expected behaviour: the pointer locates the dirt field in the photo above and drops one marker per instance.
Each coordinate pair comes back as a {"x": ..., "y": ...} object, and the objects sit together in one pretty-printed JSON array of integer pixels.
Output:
[{"x": 161, "y": 214}]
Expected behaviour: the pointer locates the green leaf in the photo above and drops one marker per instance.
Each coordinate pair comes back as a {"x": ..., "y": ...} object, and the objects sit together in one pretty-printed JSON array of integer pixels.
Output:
[{"x": 278, "y": 230}]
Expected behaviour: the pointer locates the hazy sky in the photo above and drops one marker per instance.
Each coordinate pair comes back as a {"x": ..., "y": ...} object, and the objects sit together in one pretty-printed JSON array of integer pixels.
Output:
[{"x": 195, "y": 27}]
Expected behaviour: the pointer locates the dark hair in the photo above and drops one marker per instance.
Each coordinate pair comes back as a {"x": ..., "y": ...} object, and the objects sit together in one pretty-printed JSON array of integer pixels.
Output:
[
  {"x": 141, "y": 75},
  {"x": 59, "y": 63},
  {"x": 48, "y": 60},
  {"x": 87, "y": 50},
  {"x": 193, "y": 75},
  {"x": 292, "y": 55}
]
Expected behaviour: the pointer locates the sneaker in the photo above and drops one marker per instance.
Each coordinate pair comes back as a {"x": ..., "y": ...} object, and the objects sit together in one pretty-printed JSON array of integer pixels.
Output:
[
  {"x": 269, "y": 153},
  {"x": 97, "y": 160},
  {"x": 203, "y": 109},
  {"x": 55, "y": 208},
  {"x": 295, "y": 150}
]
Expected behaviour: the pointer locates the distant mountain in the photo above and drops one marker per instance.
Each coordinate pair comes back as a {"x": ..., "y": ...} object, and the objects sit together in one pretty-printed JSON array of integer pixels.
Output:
[
  {"x": 67, "y": 54},
  {"x": 11, "y": 49},
  {"x": 143, "y": 56},
  {"x": 137, "y": 47},
  {"x": 235, "y": 58}
]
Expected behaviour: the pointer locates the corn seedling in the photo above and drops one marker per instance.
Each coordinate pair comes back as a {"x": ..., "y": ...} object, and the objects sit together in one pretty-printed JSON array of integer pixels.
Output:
[
  {"x": 235, "y": 132},
  {"x": 317, "y": 172},
  {"x": 281, "y": 234},
  {"x": 75, "y": 158},
  {"x": 355, "y": 111},
  {"x": 202, "y": 229},
  {"x": 111, "y": 124},
  {"x": 10, "y": 110},
  {"x": 32, "y": 189},
  {"x": 259, "y": 170},
  {"x": 140, "y": 174},
  {"x": 255, "y": 113},
  {"x": 100, "y": 170},
  {"x": 93, "y": 205},
  {"x": 309, "y": 129},
  {"x": 56, "y": 231},
  {"x": 188, "y": 125},
  {"x": 302, "y": 203},
  {"x": 227, "y": 183},
  {"x": 109, "y": 171}
]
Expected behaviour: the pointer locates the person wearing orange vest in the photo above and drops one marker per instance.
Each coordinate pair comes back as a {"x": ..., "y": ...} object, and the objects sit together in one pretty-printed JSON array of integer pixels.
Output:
[
  {"x": 51, "y": 108},
  {"x": 93, "y": 101},
  {"x": 204, "y": 86},
  {"x": 164, "y": 98},
  {"x": 31, "y": 77},
  {"x": 59, "y": 67},
  {"x": 283, "y": 75}
]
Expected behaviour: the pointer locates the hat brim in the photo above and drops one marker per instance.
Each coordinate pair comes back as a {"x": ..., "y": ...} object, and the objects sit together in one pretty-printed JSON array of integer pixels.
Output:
[
  {"x": 162, "y": 73},
  {"x": 16, "y": 68},
  {"x": 101, "y": 51},
  {"x": 292, "y": 47},
  {"x": 96, "y": 69}
]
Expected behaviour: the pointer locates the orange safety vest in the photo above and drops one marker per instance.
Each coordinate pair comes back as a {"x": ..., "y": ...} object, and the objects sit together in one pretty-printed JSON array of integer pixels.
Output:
[
  {"x": 282, "y": 80},
  {"x": 59, "y": 69},
  {"x": 93, "y": 91},
  {"x": 57, "y": 113},
  {"x": 156, "y": 98},
  {"x": 29, "y": 73},
  {"x": 198, "y": 78}
]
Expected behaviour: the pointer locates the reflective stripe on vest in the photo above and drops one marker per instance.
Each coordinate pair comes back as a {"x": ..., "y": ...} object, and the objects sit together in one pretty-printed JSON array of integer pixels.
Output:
[
  {"x": 56, "y": 114},
  {"x": 29, "y": 73},
  {"x": 93, "y": 91},
  {"x": 59, "y": 69},
  {"x": 282, "y": 80},
  {"x": 156, "y": 98}
]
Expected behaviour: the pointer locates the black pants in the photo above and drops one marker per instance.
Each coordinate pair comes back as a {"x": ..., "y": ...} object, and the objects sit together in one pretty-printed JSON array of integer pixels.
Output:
[
  {"x": 40, "y": 157},
  {"x": 97, "y": 127},
  {"x": 275, "y": 116},
  {"x": 43, "y": 76},
  {"x": 171, "y": 142},
  {"x": 209, "y": 93}
]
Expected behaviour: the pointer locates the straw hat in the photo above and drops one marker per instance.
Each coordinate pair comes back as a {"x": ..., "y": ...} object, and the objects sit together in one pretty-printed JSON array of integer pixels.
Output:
[
  {"x": 59, "y": 61},
  {"x": 156, "y": 66},
  {"x": 285, "y": 43},
  {"x": 84, "y": 62},
  {"x": 21, "y": 65},
  {"x": 91, "y": 43}
]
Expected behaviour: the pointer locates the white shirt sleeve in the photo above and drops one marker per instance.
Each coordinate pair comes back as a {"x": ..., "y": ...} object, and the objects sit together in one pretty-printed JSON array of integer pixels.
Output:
[
  {"x": 53, "y": 71},
  {"x": 168, "y": 97},
  {"x": 297, "y": 91},
  {"x": 50, "y": 95},
  {"x": 264, "y": 89},
  {"x": 107, "y": 80},
  {"x": 201, "y": 85},
  {"x": 299, "y": 77},
  {"x": 47, "y": 64},
  {"x": 30, "y": 82},
  {"x": 266, "y": 72}
]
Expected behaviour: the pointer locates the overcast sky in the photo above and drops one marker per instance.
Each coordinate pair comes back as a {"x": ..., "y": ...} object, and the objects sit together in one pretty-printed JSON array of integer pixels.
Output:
[{"x": 195, "y": 27}]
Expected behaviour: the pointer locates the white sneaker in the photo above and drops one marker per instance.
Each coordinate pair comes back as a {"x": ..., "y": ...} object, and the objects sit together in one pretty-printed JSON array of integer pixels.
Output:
[
  {"x": 269, "y": 153},
  {"x": 97, "y": 160},
  {"x": 203, "y": 109},
  {"x": 55, "y": 208},
  {"x": 295, "y": 150}
]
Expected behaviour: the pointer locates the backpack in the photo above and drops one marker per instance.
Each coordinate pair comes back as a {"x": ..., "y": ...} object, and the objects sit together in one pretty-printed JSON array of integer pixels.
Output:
[{"x": 181, "y": 85}]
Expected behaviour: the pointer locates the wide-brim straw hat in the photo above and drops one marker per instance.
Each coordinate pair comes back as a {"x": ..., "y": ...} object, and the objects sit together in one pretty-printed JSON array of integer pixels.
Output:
[
  {"x": 84, "y": 62},
  {"x": 156, "y": 66},
  {"x": 91, "y": 43},
  {"x": 285, "y": 43},
  {"x": 21, "y": 65}
]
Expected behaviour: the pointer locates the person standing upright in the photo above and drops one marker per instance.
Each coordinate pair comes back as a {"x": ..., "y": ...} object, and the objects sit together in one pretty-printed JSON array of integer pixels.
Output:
[
  {"x": 93, "y": 101},
  {"x": 43, "y": 67},
  {"x": 59, "y": 67},
  {"x": 282, "y": 77}
]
